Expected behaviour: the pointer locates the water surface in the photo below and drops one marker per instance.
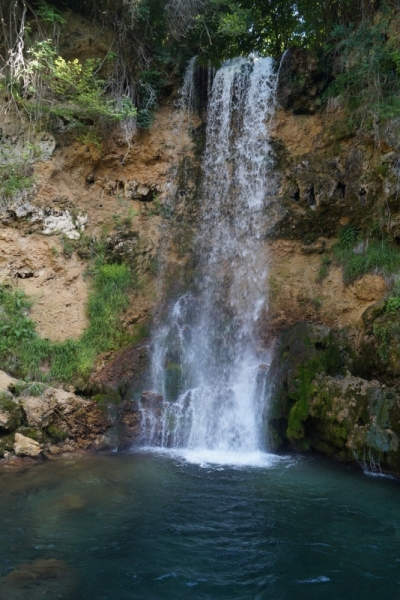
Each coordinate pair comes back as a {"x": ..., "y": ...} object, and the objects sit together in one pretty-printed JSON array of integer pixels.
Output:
[{"x": 153, "y": 526}]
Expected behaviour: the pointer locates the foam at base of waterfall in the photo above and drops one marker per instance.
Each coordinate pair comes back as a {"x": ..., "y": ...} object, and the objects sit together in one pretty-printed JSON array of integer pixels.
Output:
[
  {"x": 237, "y": 459},
  {"x": 204, "y": 457}
]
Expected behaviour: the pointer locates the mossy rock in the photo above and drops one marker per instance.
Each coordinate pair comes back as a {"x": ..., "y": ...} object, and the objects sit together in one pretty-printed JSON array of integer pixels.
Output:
[
  {"x": 10, "y": 412},
  {"x": 57, "y": 433},
  {"x": 107, "y": 398},
  {"x": 6, "y": 443},
  {"x": 173, "y": 381},
  {"x": 304, "y": 351},
  {"x": 32, "y": 433}
]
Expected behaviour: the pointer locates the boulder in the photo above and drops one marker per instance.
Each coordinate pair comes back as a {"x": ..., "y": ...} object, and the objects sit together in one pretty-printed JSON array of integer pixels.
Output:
[{"x": 25, "y": 446}]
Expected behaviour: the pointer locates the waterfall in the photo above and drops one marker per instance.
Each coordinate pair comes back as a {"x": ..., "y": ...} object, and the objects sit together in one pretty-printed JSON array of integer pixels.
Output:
[{"x": 206, "y": 360}]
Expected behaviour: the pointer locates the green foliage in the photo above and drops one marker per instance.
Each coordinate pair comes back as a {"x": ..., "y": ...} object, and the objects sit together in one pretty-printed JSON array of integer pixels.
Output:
[
  {"x": 348, "y": 237},
  {"x": 34, "y": 389},
  {"x": 90, "y": 137},
  {"x": 299, "y": 411},
  {"x": 49, "y": 13},
  {"x": 383, "y": 336},
  {"x": 392, "y": 305},
  {"x": 324, "y": 268},
  {"x": 57, "y": 433},
  {"x": 153, "y": 40},
  {"x": 76, "y": 86},
  {"x": 124, "y": 222},
  {"x": 369, "y": 80},
  {"x": 24, "y": 353},
  {"x": 13, "y": 179},
  {"x": 78, "y": 83},
  {"x": 358, "y": 256},
  {"x": 144, "y": 118}
]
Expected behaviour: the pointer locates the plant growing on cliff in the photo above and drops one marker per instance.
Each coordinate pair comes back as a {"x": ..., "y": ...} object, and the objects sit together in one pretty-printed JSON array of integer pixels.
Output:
[
  {"x": 368, "y": 60},
  {"x": 359, "y": 254},
  {"x": 13, "y": 179},
  {"x": 299, "y": 411},
  {"x": 23, "y": 352}
]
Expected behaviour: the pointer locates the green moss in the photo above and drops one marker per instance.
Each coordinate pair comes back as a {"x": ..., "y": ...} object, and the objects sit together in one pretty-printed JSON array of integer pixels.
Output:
[
  {"x": 6, "y": 443},
  {"x": 57, "y": 433},
  {"x": 299, "y": 411},
  {"x": 173, "y": 381},
  {"x": 12, "y": 409},
  {"x": 109, "y": 397},
  {"x": 32, "y": 433}
]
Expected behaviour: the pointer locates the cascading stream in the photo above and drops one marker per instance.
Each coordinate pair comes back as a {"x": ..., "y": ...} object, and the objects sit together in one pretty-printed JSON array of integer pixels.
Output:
[{"x": 205, "y": 362}]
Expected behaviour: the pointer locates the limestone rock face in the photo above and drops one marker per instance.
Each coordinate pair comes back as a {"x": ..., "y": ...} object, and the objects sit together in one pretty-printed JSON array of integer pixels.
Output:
[
  {"x": 317, "y": 403},
  {"x": 127, "y": 373},
  {"x": 357, "y": 417},
  {"x": 25, "y": 446}
]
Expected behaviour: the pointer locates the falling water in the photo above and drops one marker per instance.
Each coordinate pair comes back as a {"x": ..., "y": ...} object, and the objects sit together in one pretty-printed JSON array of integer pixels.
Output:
[
  {"x": 206, "y": 362},
  {"x": 187, "y": 91}
]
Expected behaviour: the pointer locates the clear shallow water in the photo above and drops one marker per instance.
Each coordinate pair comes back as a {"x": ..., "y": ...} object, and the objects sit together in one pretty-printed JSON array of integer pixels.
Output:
[{"x": 151, "y": 526}]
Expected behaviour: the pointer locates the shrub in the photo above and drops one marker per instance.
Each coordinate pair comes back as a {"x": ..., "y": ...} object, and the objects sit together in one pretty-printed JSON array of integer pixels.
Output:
[
  {"x": 359, "y": 256},
  {"x": 13, "y": 179},
  {"x": 369, "y": 79}
]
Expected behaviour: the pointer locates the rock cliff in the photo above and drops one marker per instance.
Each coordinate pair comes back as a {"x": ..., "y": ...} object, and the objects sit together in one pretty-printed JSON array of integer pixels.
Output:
[{"x": 69, "y": 199}]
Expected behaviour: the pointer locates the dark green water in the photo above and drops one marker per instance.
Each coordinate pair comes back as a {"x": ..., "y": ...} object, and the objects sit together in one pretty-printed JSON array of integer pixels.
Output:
[{"x": 145, "y": 526}]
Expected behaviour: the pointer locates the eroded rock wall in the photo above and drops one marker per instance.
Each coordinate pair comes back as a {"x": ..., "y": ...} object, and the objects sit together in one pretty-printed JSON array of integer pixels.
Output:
[{"x": 334, "y": 377}]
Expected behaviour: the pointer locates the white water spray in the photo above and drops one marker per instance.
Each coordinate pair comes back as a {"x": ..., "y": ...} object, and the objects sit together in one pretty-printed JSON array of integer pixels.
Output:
[{"x": 206, "y": 362}]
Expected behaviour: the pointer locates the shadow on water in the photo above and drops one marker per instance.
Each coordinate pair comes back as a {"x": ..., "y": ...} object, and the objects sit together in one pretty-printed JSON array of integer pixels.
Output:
[{"x": 149, "y": 525}]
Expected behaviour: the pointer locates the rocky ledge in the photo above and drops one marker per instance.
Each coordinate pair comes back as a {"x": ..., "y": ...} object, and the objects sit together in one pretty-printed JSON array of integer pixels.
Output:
[
  {"x": 318, "y": 402},
  {"x": 41, "y": 422}
]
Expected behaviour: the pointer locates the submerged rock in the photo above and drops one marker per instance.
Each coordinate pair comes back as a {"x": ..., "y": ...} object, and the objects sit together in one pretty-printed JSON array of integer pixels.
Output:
[{"x": 44, "y": 577}]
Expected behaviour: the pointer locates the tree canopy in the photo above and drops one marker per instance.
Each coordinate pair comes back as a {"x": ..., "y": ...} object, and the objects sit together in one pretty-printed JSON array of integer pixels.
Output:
[{"x": 153, "y": 41}]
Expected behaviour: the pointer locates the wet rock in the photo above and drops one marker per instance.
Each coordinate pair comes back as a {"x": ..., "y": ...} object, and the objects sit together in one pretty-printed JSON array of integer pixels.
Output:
[
  {"x": 6, "y": 444},
  {"x": 25, "y": 446},
  {"x": 317, "y": 403},
  {"x": 356, "y": 420},
  {"x": 127, "y": 373},
  {"x": 300, "y": 81},
  {"x": 69, "y": 422},
  {"x": 303, "y": 351},
  {"x": 10, "y": 412},
  {"x": 151, "y": 400}
]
